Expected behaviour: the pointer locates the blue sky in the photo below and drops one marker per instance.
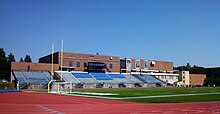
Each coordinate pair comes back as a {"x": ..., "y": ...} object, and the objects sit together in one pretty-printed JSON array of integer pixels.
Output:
[{"x": 181, "y": 31}]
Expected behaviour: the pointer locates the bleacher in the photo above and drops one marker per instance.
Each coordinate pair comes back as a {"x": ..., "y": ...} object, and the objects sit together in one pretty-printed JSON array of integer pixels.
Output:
[
  {"x": 32, "y": 80},
  {"x": 48, "y": 76},
  {"x": 19, "y": 76},
  {"x": 116, "y": 76},
  {"x": 146, "y": 78},
  {"x": 87, "y": 80},
  {"x": 42, "y": 76},
  {"x": 101, "y": 76},
  {"x": 84, "y": 77},
  {"x": 66, "y": 76},
  {"x": 119, "y": 78},
  {"x": 132, "y": 79},
  {"x": 81, "y": 75},
  {"x": 25, "y": 77}
]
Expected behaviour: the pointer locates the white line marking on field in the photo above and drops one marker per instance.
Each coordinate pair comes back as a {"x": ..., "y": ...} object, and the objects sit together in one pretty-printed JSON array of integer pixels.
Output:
[
  {"x": 144, "y": 97},
  {"x": 48, "y": 110},
  {"x": 91, "y": 93}
]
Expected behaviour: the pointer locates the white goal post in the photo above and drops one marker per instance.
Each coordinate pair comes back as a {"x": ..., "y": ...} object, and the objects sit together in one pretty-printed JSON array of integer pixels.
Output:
[{"x": 61, "y": 87}]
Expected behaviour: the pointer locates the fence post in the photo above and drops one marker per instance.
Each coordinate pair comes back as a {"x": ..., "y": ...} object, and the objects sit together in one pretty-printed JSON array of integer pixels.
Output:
[{"x": 18, "y": 85}]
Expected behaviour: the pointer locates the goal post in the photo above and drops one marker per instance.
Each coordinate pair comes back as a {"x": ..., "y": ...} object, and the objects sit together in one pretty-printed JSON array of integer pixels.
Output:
[{"x": 61, "y": 87}]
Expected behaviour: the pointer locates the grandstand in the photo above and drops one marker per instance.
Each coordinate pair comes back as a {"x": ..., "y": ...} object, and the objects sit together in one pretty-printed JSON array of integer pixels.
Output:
[
  {"x": 39, "y": 80},
  {"x": 132, "y": 79},
  {"x": 146, "y": 78},
  {"x": 122, "y": 80},
  {"x": 119, "y": 78},
  {"x": 108, "y": 80},
  {"x": 93, "y": 71},
  {"x": 32, "y": 80},
  {"x": 84, "y": 77},
  {"x": 86, "y": 80},
  {"x": 66, "y": 77}
]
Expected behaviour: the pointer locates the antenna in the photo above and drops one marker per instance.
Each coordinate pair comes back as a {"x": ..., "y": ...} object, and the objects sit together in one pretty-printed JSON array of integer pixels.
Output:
[
  {"x": 61, "y": 63},
  {"x": 52, "y": 73}
]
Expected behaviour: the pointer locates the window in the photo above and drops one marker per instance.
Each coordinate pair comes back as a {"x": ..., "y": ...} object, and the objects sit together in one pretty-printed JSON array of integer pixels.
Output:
[
  {"x": 85, "y": 64},
  {"x": 111, "y": 66},
  {"x": 137, "y": 64},
  {"x": 152, "y": 63},
  {"x": 145, "y": 64},
  {"x": 128, "y": 61},
  {"x": 70, "y": 63},
  {"x": 78, "y": 64}
]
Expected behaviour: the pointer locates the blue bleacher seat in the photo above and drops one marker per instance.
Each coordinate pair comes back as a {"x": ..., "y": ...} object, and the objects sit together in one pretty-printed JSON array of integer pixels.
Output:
[
  {"x": 101, "y": 76},
  {"x": 25, "y": 77},
  {"x": 20, "y": 77},
  {"x": 116, "y": 75},
  {"x": 81, "y": 75},
  {"x": 148, "y": 79},
  {"x": 67, "y": 76}
]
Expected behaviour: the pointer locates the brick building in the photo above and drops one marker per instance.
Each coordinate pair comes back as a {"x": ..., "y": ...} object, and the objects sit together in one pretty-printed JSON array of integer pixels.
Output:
[
  {"x": 163, "y": 70},
  {"x": 28, "y": 66},
  {"x": 186, "y": 79},
  {"x": 197, "y": 79},
  {"x": 79, "y": 62},
  {"x": 128, "y": 65}
]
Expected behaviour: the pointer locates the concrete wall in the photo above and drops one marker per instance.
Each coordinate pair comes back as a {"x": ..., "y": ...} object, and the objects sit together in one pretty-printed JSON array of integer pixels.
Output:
[{"x": 184, "y": 78}]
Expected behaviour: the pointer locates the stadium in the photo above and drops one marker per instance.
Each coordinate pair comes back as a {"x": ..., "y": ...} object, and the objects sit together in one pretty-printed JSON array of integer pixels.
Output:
[
  {"x": 121, "y": 57},
  {"x": 81, "y": 83},
  {"x": 76, "y": 70}
]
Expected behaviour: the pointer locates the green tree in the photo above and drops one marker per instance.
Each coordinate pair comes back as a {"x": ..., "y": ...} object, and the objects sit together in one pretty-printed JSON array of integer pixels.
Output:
[
  {"x": 188, "y": 65},
  {"x": 3, "y": 65},
  {"x": 11, "y": 58},
  {"x": 27, "y": 58},
  {"x": 21, "y": 60}
]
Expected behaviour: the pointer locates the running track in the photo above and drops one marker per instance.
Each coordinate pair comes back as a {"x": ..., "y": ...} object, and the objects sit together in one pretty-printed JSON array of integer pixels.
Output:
[{"x": 36, "y": 103}]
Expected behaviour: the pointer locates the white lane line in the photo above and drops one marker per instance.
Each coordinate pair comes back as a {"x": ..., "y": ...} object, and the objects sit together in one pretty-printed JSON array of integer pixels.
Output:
[
  {"x": 143, "y": 97},
  {"x": 48, "y": 110}
]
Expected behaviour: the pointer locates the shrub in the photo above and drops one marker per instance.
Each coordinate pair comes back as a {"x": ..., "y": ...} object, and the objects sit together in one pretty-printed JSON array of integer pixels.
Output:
[{"x": 7, "y": 85}]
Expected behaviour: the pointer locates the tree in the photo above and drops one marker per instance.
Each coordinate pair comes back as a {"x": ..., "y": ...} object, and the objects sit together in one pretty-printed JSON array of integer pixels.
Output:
[
  {"x": 27, "y": 58},
  {"x": 21, "y": 60},
  {"x": 210, "y": 72},
  {"x": 188, "y": 66},
  {"x": 11, "y": 58},
  {"x": 3, "y": 65}
]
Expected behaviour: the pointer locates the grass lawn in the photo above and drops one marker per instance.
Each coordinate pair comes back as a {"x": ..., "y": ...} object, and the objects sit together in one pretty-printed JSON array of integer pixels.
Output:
[
  {"x": 179, "y": 99},
  {"x": 136, "y": 92}
]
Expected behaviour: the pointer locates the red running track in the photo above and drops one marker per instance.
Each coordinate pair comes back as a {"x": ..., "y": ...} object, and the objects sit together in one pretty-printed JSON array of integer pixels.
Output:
[{"x": 36, "y": 103}]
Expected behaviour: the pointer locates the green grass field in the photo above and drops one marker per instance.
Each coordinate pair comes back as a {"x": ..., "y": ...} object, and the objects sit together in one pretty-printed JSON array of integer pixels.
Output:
[{"x": 186, "y": 94}]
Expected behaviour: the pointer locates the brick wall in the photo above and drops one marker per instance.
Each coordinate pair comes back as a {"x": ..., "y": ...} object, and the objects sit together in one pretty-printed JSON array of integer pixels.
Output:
[
  {"x": 73, "y": 58},
  {"x": 25, "y": 66},
  {"x": 160, "y": 65},
  {"x": 196, "y": 79}
]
